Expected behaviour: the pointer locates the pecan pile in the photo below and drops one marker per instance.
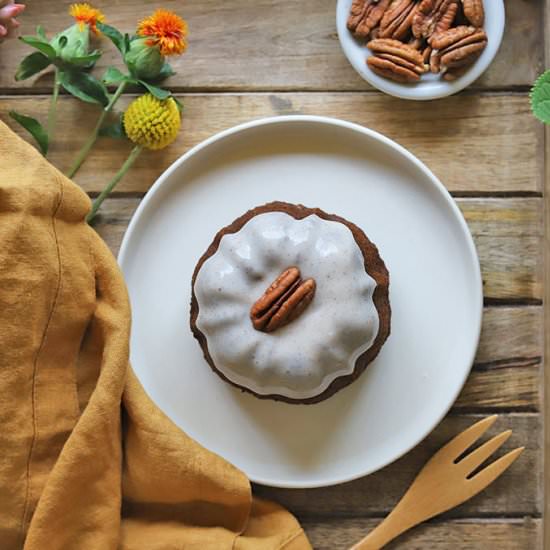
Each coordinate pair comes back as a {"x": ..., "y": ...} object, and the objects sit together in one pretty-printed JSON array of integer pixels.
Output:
[{"x": 411, "y": 37}]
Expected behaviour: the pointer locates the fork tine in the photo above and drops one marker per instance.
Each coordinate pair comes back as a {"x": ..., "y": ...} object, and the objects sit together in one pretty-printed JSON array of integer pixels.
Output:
[
  {"x": 465, "y": 439},
  {"x": 491, "y": 472},
  {"x": 470, "y": 462}
]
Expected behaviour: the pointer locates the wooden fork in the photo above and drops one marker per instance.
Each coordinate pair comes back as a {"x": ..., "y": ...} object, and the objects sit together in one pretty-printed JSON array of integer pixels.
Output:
[{"x": 444, "y": 482}]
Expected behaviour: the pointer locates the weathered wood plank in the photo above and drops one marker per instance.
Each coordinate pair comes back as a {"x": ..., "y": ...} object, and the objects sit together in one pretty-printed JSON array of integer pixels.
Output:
[
  {"x": 514, "y": 494},
  {"x": 508, "y": 333},
  {"x": 507, "y": 371},
  {"x": 268, "y": 44},
  {"x": 509, "y": 242},
  {"x": 510, "y": 387},
  {"x": 515, "y": 534},
  {"x": 474, "y": 143}
]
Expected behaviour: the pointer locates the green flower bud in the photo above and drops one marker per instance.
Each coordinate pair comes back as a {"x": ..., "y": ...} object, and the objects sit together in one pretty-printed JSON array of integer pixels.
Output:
[
  {"x": 72, "y": 43},
  {"x": 142, "y": 60}
]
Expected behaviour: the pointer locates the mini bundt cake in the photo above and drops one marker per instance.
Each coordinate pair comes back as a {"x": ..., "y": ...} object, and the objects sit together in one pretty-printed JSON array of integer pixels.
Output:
[{"x": 290, "y": 303}]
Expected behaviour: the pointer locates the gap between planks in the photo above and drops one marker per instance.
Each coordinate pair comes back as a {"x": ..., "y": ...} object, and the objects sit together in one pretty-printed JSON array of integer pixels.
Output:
[
  {"x": 454, "y": 194},
  {"x": 37, "y": 91}
]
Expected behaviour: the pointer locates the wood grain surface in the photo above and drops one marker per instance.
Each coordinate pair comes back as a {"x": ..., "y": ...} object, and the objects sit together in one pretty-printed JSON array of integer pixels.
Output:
[
  {"x": 248, "y": 60},
  {"x": 476, "y": 144},
  {"x": 271, "y": 44},
  {"x": 498, "y": 534}
]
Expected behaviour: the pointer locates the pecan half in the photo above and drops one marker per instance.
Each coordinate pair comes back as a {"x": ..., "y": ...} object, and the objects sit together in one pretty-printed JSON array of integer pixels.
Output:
[
  {"x": 434, "y": 61},
  {"x": 457, "y": 47},
  {"x": 285, "y": 299},
  {"x": 426, "y": 52},
  {"x": 416, "y": 43},
  {"x": 453, "y": 74},
  {"x": 433, "y": 16},
  {"x": 474, "y": 12},
  {"x": 397, "y": 20},
  {"x": 365, "y": 16},
  {"x": 395, "y": 60}
]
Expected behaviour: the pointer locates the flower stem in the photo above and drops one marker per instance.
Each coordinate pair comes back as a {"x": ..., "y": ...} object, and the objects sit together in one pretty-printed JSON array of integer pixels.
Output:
[
  {"x": 112, "y": 184},
  {"x": 83, "y": 153},
  {"x": 53, "y": 106}
]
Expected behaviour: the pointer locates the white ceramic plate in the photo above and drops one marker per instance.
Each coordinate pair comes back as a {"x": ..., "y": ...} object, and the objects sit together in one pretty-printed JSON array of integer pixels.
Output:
[
  {"x": 435, "y": 293},
  {"x": 430, "y": 86}
]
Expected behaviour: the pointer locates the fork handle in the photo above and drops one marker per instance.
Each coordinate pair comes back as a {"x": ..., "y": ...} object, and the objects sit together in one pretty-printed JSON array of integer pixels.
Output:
[{"x": 390, "y": 528}]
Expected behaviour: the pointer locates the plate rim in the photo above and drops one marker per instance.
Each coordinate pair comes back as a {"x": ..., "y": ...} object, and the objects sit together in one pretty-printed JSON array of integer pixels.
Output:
[{"x": 437, "y": 185}]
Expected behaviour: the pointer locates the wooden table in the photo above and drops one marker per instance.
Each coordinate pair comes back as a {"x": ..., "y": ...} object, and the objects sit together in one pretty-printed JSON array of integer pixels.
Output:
[{"x": 253, "y": 59}]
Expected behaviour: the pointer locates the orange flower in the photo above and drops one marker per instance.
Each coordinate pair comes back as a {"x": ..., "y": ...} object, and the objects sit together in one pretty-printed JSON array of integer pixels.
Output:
[
  {"x": 166, "y": 29},
  {"x": 86, "y": 15}
]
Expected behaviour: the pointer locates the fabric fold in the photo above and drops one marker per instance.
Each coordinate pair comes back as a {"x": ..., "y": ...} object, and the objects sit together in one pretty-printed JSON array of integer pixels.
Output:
[{"x": 87, "y": 461}]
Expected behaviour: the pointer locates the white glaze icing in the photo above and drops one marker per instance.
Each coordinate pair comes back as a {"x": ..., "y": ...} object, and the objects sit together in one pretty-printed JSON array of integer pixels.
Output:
[{"x": 301, "y": 359}]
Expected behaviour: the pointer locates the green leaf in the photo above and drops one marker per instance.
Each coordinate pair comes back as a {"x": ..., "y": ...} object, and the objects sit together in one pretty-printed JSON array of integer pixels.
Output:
[
  {"x": 540, "y": 97},
  {"x": 114, "y": 35},
  {"x": 165, "y": 72},
  {"x": 41, "y": 33},
  {"x": 34, "y": 128},
  {"x": 159, "y": 93},
  {"x": 86, "y": 61},
  {"x": 114, "y": 130},
  {"x": 32, "y": 64},
  {"x": 179, "y": 104},
  {"x": 39, "y": 44},
  {"x": 84, "y": 86},
  {"x": 113, "y": 76},
  {"x": 126, "y": 42}
]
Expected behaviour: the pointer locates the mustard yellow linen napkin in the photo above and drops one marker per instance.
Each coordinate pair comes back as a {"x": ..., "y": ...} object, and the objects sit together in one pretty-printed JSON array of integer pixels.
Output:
[{"x": 87, "y": 461}]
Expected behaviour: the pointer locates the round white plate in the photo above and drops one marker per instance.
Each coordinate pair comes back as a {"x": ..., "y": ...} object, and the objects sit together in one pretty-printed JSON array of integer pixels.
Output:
[
  {"x": 435, "y": 293},
  {"x": 431, "y": 86}
]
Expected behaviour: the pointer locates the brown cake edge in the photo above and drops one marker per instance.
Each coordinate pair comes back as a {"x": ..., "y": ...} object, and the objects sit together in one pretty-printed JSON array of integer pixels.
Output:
[{"x": 374, "y": 266}]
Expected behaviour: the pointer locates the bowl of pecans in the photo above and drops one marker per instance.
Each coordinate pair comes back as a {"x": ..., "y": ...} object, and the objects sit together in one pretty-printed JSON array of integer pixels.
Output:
[{"x": 420, "y": 49}]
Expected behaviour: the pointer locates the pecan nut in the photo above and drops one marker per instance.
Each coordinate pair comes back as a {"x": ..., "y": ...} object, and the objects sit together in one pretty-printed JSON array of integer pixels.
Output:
[
  {"x": 365, "y": 15},
  {"x": 397, "y": 20},
  {"x": 457, "y": 47},
  {"x": 453, "y": 74},
  {"x": 426, "y": 53},
  {"x": 433, "y": 16},
  {"x": 474, "y": 12},
  {"x": 395, "y": 60},
  {"x": 285, "y": 299}
]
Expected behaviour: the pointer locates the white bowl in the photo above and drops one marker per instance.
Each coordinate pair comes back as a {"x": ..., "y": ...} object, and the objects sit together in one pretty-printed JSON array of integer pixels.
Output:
[{"x": 430, "y": 86}]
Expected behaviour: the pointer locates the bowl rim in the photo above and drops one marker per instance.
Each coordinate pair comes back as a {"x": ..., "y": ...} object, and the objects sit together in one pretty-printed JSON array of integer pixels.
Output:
[{"x": 418, "y": 91}]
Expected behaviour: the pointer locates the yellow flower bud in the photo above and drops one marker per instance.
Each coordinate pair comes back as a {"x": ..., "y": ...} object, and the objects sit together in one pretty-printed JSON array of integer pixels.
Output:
[{"x": 152, "y": 123}]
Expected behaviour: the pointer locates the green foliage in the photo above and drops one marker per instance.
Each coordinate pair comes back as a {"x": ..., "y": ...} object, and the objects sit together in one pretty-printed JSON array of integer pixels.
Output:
[
  {"x": 540, "y": 97},
  {"x": 159, "y": 93},
  {"x": 86, "y": 61},
  {"x": 32, "y": 64},
  {"x": 114, "y": 35},
  {"x": 113, "y": 76},
  {"x": 84, "y": 86},
  {"x": 34, "y": 128},
  {"x": 114, "y": 130},
  {"x": 40, "y": 44},
  {"x": 41, "y": 33},
  {"x": 179, "y": 104}
]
